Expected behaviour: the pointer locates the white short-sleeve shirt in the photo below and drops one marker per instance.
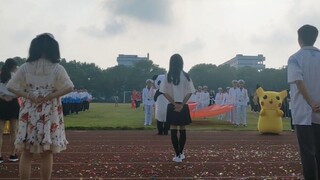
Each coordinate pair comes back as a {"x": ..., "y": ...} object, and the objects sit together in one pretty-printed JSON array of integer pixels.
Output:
[
  {"x": 241, "y": 97},
  {"x": 178, "y": 92},
  {"x": 147, "y": 96},
  {"x": 304, "y": 65}
]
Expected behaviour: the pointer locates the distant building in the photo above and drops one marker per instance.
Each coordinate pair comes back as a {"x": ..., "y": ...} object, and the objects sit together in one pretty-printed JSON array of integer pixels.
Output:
[
  {"x": 129, "y": 60},
  {"x": 247, "y": 61}
]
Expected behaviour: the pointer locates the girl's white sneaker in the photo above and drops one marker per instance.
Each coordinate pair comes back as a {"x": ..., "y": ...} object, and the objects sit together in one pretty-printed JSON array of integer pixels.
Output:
[
  {"x": 182, "y": 156},
  {"x": 177, "y": 159}
]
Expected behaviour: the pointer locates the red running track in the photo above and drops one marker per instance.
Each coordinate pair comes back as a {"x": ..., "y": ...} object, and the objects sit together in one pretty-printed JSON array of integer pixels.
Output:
[{"x": 144, "y": 155}]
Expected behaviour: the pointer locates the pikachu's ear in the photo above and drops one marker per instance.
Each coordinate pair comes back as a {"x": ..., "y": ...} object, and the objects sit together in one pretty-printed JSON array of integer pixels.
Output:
[
  {"x": 260, "y": 91},
  {"x": 283, "y": 94}
]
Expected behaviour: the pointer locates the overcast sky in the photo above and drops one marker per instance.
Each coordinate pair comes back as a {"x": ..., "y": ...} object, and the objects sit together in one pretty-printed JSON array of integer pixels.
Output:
[{"x": 202, "y": 31}]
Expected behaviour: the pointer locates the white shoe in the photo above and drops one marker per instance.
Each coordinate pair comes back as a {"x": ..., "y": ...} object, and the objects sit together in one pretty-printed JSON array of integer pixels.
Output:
[
  {"x": 182, "y": 156},
  {"x": 177, "y": 159}
]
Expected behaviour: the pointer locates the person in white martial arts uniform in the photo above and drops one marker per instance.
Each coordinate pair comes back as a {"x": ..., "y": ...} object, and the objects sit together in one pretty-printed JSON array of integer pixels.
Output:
[
  {"x": 242, "y": 100},
  {"x": 219, "y": 100},
  {"x": 227, "y": 101},
  {"x": 205, "y": 97},
  {"x": 232, "y": 93},
  {"x": 148, "y": 102},
  {"x": 198, "y": 95}
]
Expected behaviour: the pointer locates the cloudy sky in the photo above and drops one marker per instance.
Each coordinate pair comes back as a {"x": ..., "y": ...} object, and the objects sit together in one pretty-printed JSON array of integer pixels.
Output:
[{"x": 202, "y": 31}]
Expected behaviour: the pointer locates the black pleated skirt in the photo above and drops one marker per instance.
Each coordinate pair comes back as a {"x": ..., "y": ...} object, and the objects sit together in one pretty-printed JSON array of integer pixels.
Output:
[
  {"x": 178, "y": 118},
  {"x": 9, "y": 110}
]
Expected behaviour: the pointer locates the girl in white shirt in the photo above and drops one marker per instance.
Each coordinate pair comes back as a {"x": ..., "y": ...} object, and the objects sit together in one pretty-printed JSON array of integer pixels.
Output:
[{"x": 177, "y": 88}]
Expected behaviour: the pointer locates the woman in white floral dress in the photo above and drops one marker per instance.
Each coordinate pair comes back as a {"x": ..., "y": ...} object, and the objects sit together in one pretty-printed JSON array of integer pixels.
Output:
[{"x": 41, "y": 81}]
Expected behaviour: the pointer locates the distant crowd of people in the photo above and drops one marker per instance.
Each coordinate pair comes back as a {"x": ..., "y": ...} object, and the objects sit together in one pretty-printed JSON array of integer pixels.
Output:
[
  {"x": 237, "y": 96},
  {"x": 76, "y": 101}
]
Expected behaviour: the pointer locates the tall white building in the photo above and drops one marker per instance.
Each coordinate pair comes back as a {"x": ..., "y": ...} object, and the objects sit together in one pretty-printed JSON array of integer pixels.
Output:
[
  {"x": 247, "y": 61},
  {"x": 129, "y": 60}
]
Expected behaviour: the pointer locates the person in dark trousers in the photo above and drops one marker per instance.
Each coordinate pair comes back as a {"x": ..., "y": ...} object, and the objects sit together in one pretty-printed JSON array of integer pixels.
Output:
[
  {"x": 289, "y": 110},
  {"x": 9, "y": 108},
  {"x": 177, "y": 88},
  {"x": 303, "y": 77},
  {"x": 161, "y": 104}
]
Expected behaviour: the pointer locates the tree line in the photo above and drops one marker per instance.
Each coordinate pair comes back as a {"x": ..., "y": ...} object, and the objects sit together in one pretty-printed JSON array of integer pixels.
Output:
[{"x": 103, "y": 84}]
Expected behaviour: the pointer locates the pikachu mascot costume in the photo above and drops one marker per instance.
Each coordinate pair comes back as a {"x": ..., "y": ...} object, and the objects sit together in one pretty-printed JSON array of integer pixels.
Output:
[{"x": 270, "y": 119}]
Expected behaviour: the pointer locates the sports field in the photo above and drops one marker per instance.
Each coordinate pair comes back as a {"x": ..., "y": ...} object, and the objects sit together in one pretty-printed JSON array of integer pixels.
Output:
[
  {"x": 235, "y": 153},
  {"x": 102, "y": 116}
]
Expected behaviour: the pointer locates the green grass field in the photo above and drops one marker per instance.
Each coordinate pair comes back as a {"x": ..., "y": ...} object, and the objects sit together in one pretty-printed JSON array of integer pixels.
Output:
[{"x": 107, "y": 116}]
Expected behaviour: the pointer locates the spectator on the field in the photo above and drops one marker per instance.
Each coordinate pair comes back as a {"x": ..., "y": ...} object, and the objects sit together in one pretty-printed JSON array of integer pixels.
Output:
[{"x": 41, "y": 81}]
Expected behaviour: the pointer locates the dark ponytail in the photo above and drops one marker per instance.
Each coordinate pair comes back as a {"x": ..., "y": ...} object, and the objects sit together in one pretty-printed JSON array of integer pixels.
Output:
[{"x": 6, "y": 70}]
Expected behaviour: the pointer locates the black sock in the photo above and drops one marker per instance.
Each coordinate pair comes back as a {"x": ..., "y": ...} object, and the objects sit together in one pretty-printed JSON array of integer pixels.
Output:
[
  {"x": 160, "y": 127},
  {"x": 166, "y": 128},
  {"x": 175, "y": 141},
  {"x": 182, "y": 140}
]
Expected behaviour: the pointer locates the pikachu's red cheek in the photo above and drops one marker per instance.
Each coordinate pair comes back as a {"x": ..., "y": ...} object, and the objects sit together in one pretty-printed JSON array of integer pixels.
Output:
[{"x": 262, "y": 103}]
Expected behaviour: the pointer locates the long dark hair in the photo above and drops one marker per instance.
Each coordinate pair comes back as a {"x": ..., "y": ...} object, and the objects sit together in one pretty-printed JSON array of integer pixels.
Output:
[
  {"x": 175, "y": 68},
  {"x": 44, "y": 46},
  {"x": 6, "y": 70}
]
